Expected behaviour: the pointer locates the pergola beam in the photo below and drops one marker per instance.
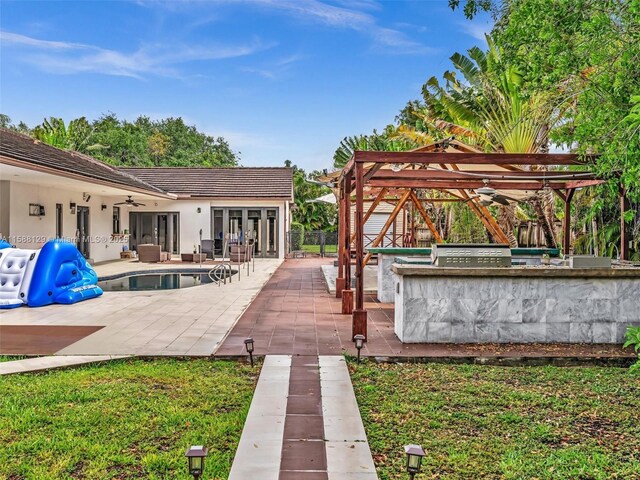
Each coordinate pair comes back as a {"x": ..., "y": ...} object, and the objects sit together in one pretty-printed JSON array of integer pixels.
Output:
[
  {"x": 465, "y": 184},
  {"x": 471, "y": 158}
]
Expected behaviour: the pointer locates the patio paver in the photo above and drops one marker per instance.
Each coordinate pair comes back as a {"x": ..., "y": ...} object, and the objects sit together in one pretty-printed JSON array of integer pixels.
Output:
[
  {"x": 295, "y": 315},
  {"x": 190, "y": 321}
]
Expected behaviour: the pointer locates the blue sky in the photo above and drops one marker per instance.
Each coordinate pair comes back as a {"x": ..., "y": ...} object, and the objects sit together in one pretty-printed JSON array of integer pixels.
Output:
[{"x": 280, "y": 79}]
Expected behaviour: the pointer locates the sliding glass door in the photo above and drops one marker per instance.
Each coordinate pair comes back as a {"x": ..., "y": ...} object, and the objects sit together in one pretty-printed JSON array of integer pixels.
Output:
[
  {"x": 158, "y": 228},
  {"x": 246, "y": 226}
]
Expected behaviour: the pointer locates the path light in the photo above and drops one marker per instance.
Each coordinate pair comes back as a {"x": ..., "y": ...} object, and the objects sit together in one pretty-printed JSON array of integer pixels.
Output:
[
  {"x": 359, "y": 339},
  {"x": 414, "y": 459},
  {"x": 249, "y": 344},
  {"x": 195, "y": 454}
]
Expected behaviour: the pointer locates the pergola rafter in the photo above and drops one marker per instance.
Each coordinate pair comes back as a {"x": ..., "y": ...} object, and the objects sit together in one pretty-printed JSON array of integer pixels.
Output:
[{"x": 455, "y": 169}]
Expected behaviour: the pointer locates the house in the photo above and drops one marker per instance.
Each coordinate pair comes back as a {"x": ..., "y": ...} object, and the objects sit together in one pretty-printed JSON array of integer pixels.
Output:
[{"x": 50, "y": 193}]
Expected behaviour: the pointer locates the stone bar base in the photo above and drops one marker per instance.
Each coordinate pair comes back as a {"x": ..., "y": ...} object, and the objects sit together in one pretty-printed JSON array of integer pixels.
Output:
[{"x": 512, "y": 305}]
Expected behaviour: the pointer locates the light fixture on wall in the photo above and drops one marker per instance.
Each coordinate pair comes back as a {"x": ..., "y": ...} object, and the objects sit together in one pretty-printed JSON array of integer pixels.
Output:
[
  {"x": 72, "y": 208},
  {"x": 86, "y": 197},
  {"x": 199, "y": 210},
  {"x": 103, "y": 207}
]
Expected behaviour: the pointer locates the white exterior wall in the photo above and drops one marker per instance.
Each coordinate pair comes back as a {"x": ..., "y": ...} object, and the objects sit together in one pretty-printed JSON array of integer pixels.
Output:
[
  {"x": 191, "y": 221},
  {"x": 32, "y": 232}
]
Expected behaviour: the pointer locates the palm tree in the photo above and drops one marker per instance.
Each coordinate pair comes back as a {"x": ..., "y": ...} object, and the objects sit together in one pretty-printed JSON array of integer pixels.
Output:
[
  {"x": 76, "y": 136},
  {"x": 489, "y": 109}
]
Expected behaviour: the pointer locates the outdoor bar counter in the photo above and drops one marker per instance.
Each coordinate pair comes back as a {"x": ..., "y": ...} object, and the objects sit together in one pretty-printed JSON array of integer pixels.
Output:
[
  {"x": 518, "y": 304},
  {"x": 387, "y": 257}
]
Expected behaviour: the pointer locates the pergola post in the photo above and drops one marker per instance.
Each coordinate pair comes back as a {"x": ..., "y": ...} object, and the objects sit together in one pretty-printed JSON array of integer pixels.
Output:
[
  {"x": 340, "y": 278},
  {"x": 625, "y": 234},
  {"x": 566, "y": 240},
  {"x": 347, "y": 293},
  {"x": 359, "y": 320}
]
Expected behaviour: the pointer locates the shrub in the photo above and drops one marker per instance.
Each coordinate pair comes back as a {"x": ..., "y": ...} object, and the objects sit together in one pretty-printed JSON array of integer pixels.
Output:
[
  {"x": 633, "y": 339},
  {"x": 297, "y": 236}
]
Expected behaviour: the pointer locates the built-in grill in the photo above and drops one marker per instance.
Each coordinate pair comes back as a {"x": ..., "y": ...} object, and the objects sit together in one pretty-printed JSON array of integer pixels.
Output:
[{"x": 471, "y": 255}]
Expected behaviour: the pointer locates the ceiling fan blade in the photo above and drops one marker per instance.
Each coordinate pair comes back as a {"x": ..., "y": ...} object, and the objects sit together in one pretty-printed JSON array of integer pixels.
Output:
[
  {"x": 136, "y": 204},
  {"x": 121, "y": 203},
  {"x": 500, "y": 199}
]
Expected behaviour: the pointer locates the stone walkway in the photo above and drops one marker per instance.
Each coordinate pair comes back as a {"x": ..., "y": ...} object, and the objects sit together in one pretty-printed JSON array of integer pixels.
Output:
[{"x": 303, "y": 424}]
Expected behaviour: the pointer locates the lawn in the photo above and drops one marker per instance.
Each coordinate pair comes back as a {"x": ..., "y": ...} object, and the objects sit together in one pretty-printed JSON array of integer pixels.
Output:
[
  {"x": 11, "y": 358},
  {"x": 478, "y": 422},
  {"x": 125, "y": 419},
  {"x": 316, "y": 248}
]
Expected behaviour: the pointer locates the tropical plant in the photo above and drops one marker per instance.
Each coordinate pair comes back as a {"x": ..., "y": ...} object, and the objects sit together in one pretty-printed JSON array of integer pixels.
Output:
[
  {"x": 632, "y": 337},
  {"x": 307, "y": 213},
  {"x": 378, "y": 142},
  {"x": 76, "y": 136}
]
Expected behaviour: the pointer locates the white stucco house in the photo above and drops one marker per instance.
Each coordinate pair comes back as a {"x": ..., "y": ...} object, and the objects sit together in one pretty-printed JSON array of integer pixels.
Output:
[{"x": 50, "y": 193}]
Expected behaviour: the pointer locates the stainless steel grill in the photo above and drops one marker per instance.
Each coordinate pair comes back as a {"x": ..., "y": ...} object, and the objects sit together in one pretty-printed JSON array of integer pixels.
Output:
[{"x": 471, "y": 255}]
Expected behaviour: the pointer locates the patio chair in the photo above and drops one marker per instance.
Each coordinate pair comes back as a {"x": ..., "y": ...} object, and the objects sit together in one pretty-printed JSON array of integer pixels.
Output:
[
  {"x": 150, "y": 253},
  {"x": 207, "y": 247}
]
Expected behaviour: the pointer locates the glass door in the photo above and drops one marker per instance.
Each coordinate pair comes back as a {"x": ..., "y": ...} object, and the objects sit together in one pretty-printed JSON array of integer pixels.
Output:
[
  {"x": 254, "y": 229},
  {"x": 82, "y": 231},
  {"x": 272, "y": 233}
]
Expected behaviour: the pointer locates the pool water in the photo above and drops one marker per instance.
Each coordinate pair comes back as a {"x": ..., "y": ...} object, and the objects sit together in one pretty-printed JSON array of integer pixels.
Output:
[{"x": 154, "y": 281}]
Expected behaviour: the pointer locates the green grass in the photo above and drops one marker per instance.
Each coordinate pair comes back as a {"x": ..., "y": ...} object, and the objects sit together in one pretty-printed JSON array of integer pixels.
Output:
[
  {"x": 316, "y": 248},
  {"x": 125, "y": 419},
  {"x": 11, "y": 358},
  {"x": 478, "y": 422}
]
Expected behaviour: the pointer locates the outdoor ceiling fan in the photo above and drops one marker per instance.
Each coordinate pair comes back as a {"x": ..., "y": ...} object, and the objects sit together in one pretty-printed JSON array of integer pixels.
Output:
[
  {"x": 488, "y": 196},
  {"x": 129, "y": 202}
]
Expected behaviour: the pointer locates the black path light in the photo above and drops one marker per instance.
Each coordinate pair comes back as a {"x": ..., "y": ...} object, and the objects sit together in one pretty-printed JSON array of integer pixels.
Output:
[
  {"x": 415, "y": 453},
  {"x": 249, "y": 344},
  {"x": 195, "y": 454},
  {"x": 359, "y": 339}
]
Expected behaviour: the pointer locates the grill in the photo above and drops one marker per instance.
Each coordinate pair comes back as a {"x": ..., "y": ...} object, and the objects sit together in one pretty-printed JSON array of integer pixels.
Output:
[{"x": 471, "y": 255}]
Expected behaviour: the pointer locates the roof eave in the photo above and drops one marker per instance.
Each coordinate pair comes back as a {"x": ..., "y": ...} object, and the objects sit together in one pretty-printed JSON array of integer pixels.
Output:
[{"x": 62, "y": 173}]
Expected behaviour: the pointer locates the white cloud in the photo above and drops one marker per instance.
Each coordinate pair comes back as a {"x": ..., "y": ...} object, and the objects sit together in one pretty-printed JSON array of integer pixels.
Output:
[
  {"x": 69, "y": 58},
  {"x": 476, "y": 30},
  {"x": 346, "y": 14}
]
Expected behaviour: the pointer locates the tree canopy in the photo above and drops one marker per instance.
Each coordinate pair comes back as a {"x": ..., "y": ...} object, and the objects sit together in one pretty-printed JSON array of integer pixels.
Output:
[{"x": 143, "y": 142}]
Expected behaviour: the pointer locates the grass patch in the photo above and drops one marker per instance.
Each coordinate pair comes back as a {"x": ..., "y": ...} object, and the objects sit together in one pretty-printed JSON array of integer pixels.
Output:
[
  {"x": 126, "y": 419},
  {"x": 316, "y": 248},
  {"x": 11, "y": 358},
  {"x": 502, "y": 423}
]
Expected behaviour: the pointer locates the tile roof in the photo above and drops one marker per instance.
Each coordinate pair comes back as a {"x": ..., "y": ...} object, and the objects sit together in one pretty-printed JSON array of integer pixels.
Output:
[
  {"x": 231, "y": 182},
  {"x": 26, "y": 150}
]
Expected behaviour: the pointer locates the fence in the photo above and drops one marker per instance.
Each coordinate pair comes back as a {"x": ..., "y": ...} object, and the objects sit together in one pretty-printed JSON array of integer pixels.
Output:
[{"x": 312, "y": 243}]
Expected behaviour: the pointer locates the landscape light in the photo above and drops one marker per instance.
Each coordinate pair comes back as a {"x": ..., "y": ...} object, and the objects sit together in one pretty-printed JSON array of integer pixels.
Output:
[
  {"x": 248, "y": 343},
  {"x": 359, "y": 339},
  {"x": 195, "y": 455},
  {"x": 415, "y": 453}
]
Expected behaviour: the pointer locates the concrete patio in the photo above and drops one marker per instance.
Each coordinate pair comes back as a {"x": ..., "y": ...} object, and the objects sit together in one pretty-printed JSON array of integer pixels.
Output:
[{"x": 189, "y": 321}]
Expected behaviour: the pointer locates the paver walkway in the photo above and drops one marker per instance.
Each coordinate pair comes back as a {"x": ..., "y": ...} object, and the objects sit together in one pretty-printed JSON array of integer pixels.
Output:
[
  {"x": 294, "y": 314},
  {"x": 303, "y": 424}
]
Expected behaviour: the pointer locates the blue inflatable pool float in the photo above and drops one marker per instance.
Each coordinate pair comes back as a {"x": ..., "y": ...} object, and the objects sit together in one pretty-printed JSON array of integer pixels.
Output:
[{"x": 57, "y": 273}]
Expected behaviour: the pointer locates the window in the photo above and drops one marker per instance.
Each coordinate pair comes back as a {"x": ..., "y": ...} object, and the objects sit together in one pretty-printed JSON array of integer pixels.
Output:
[
  {"x": 58, "y": 220},
  {"x": 116, "y": 219}
]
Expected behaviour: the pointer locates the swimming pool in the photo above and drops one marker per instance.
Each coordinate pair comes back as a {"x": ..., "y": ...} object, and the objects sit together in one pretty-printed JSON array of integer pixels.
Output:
[{"x": 160, "y": 280}]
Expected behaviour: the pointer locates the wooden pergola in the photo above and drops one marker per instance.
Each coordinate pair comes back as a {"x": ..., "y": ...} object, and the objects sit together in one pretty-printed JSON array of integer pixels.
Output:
[{"x": 457, "y": 170}]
